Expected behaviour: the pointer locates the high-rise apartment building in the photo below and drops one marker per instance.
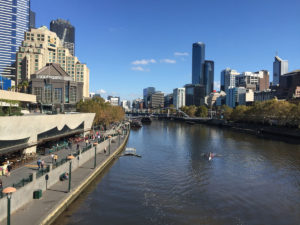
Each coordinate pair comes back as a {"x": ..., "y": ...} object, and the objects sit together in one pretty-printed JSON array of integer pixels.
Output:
[
  {"x": 194, "y": 94},
  {"x": 228, "y": 79},
  {"x": 202, "y": 70},
  {"x": 280, "y": 67},
  {"x": 66, "y": 33},
  {"x": 42, "y": 46},
  {"x": 14, "y": 21},
  {"x": 179, "y": 97}
]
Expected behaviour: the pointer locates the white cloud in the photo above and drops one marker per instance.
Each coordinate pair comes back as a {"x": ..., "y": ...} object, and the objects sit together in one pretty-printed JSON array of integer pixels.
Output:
[
  {"x": 172, "y": 61},
  {"x": 139, "y": 68},
  {"x": 217, "y": 85},
  {"x": 143, "y": 61},
  {"x": 181, "y": 53},
  {"x": 101, "y": 91}
]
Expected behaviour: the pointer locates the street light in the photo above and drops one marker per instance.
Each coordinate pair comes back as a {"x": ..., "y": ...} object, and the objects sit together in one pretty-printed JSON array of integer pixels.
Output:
[
  {"x": 70, "y": 157},
  {"x": 8, "y": 191},
  {"x": 95, "y": 160}
]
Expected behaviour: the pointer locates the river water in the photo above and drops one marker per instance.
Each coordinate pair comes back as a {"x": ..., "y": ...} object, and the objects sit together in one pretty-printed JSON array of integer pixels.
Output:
[{"x": 252, "y": 181}]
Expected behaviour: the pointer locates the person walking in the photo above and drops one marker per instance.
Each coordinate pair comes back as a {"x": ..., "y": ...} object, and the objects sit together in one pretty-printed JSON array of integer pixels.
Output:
[
  {"x": 55, "y": 157},
  {"x": 52, "y": 157},
  {"x": 39, "y": 163},
  {"x": 42, "y": 164},
  {"x": 1, "y": 185},
  {"x": 8, "y": 169}
]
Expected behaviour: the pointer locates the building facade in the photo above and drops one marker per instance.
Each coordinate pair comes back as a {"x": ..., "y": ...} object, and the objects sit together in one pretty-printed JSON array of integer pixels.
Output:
[
  {"x": 55, "y": 89},
  {"x": 179, "y": 97},
  {"x": 115, "y": 101},
  {"x": 233, "y": 96},
  {"x": 198, "y": 63},
  {"x": 168, "y": 100},
  {"x": 194, "y": 94},
  {"x": 264, "y": 95},
  {"x": 289, "y": 85},
  {"x": 66, "y": 33},
  {"x": 280, "y": 67},
  {"x": 209, "y": 69},
  {"x": 246, "y": 98},
  {"x": 31, "y": 19},
  {"x": 257, "y": 81},
  {"x": 147, "y": 92},
  {"x": 228, "y": 79},
  {"x": 14, "y": 21},
  {"x": 42, "y": 46},
  {"x": 157, "y": 100}
]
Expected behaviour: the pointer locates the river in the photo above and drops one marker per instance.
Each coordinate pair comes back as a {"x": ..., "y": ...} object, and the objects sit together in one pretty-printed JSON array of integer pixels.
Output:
[{"x": 252, "y": 181}]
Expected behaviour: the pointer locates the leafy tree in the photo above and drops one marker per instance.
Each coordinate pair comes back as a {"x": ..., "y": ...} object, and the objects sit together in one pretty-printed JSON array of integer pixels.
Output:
[{"x": 201, "y": 111}]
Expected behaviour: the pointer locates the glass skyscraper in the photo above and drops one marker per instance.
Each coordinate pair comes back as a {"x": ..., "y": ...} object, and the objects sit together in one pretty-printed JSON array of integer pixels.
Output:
[
  {"x": 14, "y": 21},
  {"x": 198, "y": 63},
  {"x": 209, "y": 67},
  {"x": 280, "y": 67},
  {"x": 66, "y": 33}
]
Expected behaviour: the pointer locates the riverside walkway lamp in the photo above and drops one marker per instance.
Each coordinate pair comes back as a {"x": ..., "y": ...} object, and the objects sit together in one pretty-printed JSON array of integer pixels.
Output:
[
  {"x": 95, "y": 160},
  {"x": 8, "y": 191},
  {"x": 70, "y": 157}
]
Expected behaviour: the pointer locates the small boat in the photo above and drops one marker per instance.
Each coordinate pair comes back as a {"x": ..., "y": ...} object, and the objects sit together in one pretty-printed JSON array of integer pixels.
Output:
[
  {"x": 130, "y": 152},
  {"x": 146, "y": 120},
  {"x": 136, "y": 124}
]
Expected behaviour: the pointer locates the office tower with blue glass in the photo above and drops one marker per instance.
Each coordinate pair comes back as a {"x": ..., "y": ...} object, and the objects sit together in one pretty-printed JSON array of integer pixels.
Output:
[
  {"x": 14, "y": 21},
  {"x": 280, "y": 67},
  {"x": 202, "y": 70}
]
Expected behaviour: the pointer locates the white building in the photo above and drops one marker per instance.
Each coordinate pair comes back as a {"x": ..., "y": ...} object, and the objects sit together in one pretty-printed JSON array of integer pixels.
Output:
[
  {"x": 228, "y": 79},
  {"x": 179, "y": 97},
  {"x": 280, "y": 67},
  {"x": 115, "y": 101},
  {"x": 125, "y": 105}
]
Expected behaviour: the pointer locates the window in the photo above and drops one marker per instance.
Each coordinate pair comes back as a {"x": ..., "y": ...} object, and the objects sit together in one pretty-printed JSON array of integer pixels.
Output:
[
  {"x": 67, "y": 94},
  {"x": 14, "y": 18},
  {"x": 13, "y": 26},
  {"x": 14, "y": 10},
  {"x": 38, "y": 93},
  {"x": 13, "y": 41},
  {"x": 57, "y": 95},
  {"x": 72, "y": 94},
  {"x": 13, "y": 33},
  {"x": 48, "y": 93}
]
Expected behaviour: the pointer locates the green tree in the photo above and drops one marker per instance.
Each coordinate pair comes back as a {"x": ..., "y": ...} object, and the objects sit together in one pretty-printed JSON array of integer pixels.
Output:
[{"x": 201, "y": 111}]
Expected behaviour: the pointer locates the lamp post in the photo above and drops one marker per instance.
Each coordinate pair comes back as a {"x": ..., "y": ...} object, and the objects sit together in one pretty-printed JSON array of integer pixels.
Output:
[
  {"x": 70, "y": 157},
  {"x": 109, "y": 145},
  {"x": 95, "y": 160},
  {"x": 8, "y": 191}
]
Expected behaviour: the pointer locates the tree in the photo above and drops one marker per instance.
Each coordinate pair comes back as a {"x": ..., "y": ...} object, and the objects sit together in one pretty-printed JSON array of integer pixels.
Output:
[{"x": 201, "y": 111}]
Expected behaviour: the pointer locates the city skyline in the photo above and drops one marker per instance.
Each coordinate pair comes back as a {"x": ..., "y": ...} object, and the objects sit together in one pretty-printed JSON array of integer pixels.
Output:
[{"x": 125, "y": 54}]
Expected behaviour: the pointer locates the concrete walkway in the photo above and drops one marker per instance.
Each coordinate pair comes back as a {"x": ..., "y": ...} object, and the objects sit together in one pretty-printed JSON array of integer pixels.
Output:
[
  {"x": 24, "y": 171},
  {"x": 34, "y": 212}
]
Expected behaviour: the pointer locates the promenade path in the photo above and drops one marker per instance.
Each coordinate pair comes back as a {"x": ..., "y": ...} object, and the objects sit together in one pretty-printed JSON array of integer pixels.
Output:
[
  {"x": 24, "y": 171},
  {"x": 34, "y": 212}
]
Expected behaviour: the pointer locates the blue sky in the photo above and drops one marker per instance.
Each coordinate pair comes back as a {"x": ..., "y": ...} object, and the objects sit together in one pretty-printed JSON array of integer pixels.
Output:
[{"x": 132, "y": 44}]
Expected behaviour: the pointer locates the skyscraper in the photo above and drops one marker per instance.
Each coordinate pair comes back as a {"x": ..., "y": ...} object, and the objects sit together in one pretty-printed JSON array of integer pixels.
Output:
[
  {"x": 32, "y": 19},
  {"x": 228, "y": 77},
  {"x": 209, "y": 67},
  {"x": 198, "y": 63},
  {"x": 280, "y": 67},
  {"x": 179, "y": 97},
  {"x": 14, "y": 21},
  {"x": 66, "y": 33}
]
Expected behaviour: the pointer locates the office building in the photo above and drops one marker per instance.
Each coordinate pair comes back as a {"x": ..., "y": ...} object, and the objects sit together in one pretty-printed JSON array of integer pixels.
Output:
[
  {"x": 198, "y": 63},
  {"x": 147, "y": 92},
  {"x": 55, "y": 89},
  {"x": 202, "y": 70},
  {"x": 14, "y": 21},
  {"x": 228, "y": 79},
  {"x": 257, "y": 81},
  {"x": 233, "y": 96},
  {"x": 264, "y": 95},
  {"x": 66, "y": 33},
  {"x": 157, "y": 100},
  {"x": 194, "y": 94},
  {"x": 137, "y": 103},
  {"x": 42, "y": 46},
  {"x": 168, "y": 100},
  {"x": 179, "y": 97},
  {"x": 246, "y": 98},
  {"x": 280, "y": 67},
  {"x": 115, "y": 101},
  {"x": 289, "y": 85},
  {"x": 31, "y": 19}
]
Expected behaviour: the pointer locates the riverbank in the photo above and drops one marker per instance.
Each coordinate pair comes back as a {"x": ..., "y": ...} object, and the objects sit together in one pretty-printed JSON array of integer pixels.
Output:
[{"x": 56, "y": 197}]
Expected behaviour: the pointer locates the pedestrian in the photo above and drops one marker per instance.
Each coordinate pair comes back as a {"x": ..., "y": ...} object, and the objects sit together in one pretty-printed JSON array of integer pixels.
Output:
[
  {"x": 52, "y": 157},
  {"x": 105, "y": 150},
  {"x": 42, "y": 164},
  {"x": 77, "y": 148},
  {"x": 70, "y": 145},
  {"x": 1, "y": 186},
  {"x": 8, "y": 169},
  {"x": 55, "y": 157},
  {"x": 39, "y": 163},
  {"x": 86, "y": 142}
]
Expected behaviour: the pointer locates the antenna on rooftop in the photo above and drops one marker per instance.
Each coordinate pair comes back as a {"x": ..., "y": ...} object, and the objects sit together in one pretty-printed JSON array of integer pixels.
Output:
[{"x": 276, "y": 53}]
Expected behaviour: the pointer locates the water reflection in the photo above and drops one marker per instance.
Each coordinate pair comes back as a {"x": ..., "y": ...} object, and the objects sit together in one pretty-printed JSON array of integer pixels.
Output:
[{"x": 254, "y": 181}]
